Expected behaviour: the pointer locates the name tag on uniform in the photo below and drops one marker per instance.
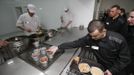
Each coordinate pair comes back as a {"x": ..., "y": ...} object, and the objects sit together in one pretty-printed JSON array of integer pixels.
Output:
[
  {"x": 107, "y": 23},
  {"x": 95, "y": 47}
]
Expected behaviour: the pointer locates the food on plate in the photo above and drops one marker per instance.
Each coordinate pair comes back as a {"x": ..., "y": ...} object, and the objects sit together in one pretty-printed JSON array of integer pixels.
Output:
[
  {"x": 96, "y": 71},
  {"x": 76, "y": 59},
  {"x": 84, "y": 67},
  {"x": 44, "y": 59}
]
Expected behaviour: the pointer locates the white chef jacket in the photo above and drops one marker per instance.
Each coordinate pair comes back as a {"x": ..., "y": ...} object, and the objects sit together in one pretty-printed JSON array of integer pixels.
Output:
[
  {"x": 67, "y": 16},
  {"x": 28, "y": 22}
]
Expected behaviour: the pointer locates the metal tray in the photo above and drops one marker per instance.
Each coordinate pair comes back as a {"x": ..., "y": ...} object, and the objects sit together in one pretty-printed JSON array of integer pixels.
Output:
[{"x": 27, "y": 57}]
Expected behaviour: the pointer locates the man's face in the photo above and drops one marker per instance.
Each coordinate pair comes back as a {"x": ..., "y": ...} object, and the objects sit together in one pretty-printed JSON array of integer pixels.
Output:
[
  {"x": 113, "y": 12},
  {"x": 131, "y": 18},
  {"x": 31, "y": 14},
  {"x": 66, "y": 10},
  {"x": 96, "y": 35}
]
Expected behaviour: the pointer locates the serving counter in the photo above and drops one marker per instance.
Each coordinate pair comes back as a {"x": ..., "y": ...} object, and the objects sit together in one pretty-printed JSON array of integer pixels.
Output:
[{"x": 18, "y": 66}]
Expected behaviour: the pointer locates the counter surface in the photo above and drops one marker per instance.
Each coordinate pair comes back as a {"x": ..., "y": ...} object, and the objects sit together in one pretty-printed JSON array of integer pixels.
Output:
[
  {"x": 17, "y": 66},
  {"x": 20, "y": 67}
]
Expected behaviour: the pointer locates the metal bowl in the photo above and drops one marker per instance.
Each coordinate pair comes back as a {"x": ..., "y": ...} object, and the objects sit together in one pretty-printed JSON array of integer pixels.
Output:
[{"x": 51, "y": 32}]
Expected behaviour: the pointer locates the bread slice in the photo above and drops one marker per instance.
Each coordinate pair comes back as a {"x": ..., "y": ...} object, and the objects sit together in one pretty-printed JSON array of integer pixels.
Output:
[
  {"x": 84, "y": 67},
  {"x": 76, "y": 59},
  {"x": 96, "y": 71}
]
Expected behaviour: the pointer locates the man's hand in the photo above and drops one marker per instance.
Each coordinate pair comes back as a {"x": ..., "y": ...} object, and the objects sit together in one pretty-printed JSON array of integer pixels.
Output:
[
  {"x": 3, "y": 43},
  {"x": 28, "y": 30},
  {"x": 52, "y": 50},
  {"x": 24, "y": 29},
  {"x": 107, "y": 72}
]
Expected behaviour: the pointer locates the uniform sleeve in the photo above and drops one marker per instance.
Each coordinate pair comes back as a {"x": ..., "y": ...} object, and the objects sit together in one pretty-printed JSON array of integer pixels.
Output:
[
  {"x": 74, "y": 44},
  {"x": 71, "y": 17},
  {"x": 124, "y": 28},
  {"x": 123, "y": 59},
  {"x": 20, "y": 21}
]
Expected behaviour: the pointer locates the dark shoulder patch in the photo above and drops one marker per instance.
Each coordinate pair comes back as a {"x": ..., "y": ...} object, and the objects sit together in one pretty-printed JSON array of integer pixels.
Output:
[
  {"x": 115, "y": 39},
  {"x": 121, "y": 21}
]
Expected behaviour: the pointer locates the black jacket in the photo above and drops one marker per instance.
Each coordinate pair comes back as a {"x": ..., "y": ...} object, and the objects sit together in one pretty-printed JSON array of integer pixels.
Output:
[
  {"x": 130, "y": 39},
  {"x": 117, "y": 25},
  {"x": 131, "y": 33},
  {"x": 112, "y": 51}
]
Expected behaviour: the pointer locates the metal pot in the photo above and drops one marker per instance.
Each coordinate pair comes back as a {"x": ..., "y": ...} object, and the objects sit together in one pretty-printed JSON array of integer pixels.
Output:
[
  {"x": 39, "y": 37},
  {"x": 51, "y": 32}
]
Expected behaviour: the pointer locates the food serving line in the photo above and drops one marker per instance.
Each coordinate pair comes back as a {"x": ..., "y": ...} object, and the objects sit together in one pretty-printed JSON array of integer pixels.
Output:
[{"x": 20, "y": 66}]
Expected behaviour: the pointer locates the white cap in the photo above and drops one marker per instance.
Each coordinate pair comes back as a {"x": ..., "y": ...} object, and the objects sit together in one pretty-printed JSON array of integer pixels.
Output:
[
  {"x": 31, "y": 8},
  {"x": 66, "y": 9}
]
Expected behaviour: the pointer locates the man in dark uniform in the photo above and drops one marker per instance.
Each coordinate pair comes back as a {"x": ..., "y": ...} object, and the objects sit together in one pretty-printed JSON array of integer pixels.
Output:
[
  {"x": 131, "y": 40},
  {"x": 115, "y": 22},
  {"x": 110, "y": 48}
]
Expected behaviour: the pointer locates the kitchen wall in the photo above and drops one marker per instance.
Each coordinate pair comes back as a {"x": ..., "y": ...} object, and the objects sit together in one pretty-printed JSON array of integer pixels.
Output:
[
  {"x": 83, "y": 11},
  {"x": 7, "y": 17},
  {"x": 49, "y": 12}
]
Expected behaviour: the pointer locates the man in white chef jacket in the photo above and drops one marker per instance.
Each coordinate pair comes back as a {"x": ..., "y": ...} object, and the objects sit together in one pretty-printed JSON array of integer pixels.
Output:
[
  {"x": 66, "y": 19},
  {"x": 29, "y": 22}
]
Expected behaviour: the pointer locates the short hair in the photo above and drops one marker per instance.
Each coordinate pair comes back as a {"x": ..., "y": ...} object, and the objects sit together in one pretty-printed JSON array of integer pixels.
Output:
[
  {"x": 122, "y": 10},
  {"x": 95, "y": 24},
  {"x": 116, "y": 6}
]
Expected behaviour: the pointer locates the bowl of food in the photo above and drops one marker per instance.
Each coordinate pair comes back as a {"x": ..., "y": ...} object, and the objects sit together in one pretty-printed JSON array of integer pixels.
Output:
[
  {"x": 81, "y": 66},
  {"x": 35, "y": 57},
  {"x": 44, "y": 60},
  {"x": 76, "y": 59},
  {"x": 84, "y": 67},
  {"x": 96, "y": 71}
]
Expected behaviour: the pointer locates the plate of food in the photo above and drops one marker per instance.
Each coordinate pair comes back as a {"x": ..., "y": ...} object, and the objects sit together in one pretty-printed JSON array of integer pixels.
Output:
[
  {"x": 80, "y": 66},
  {"x": 84, "y": 67}
]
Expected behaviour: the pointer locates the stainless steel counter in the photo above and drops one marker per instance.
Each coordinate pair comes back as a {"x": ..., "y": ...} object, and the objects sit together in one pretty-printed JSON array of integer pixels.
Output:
[
  {"x": 8, "y": 35},
  {"x": 17, "y": 66},
  {"x": 67, "y": 35},
  {"x": 61, "y": 65},
  {"x": 20, "y": 67},
  {"x": 67, "y": 67}
]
